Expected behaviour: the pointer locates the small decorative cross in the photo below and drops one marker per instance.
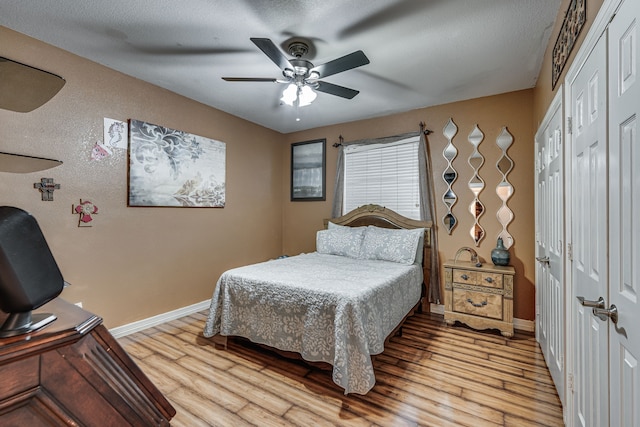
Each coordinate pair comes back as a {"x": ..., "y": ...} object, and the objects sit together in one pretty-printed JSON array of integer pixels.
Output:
[{"x": 46, "y": 187}]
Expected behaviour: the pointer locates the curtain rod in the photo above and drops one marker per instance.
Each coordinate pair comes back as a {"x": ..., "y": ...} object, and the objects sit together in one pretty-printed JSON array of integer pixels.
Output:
[
  {"x": 423, "y": 129},
  {"x": 338, "y": 144}
]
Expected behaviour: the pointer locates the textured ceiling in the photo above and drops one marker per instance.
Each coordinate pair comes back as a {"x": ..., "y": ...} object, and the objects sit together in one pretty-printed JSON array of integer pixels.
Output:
[{"x": 422, "y": 52}]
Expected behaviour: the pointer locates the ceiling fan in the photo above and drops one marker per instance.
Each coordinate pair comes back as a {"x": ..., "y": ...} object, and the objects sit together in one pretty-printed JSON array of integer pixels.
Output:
[{"x": 301, "y": 75}]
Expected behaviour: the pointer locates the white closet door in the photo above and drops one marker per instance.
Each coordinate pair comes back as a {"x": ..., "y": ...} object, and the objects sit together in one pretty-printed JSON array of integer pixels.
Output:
[
  {"x": 624, "y": 215},
  {"x": 556, "y": 292},
  {"x": 550, "y": 290},
  {"x": 588, "y": 92}
]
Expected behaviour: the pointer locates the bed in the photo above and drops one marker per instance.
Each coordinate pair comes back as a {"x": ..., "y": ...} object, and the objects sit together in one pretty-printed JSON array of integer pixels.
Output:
[{"x": 338, "y": 304}]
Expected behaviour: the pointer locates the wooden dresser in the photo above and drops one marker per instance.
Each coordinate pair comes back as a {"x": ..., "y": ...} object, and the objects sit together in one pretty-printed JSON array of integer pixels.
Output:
[
  {"x": 480, "y": 297},
  {"x": 74, "y": 373}
]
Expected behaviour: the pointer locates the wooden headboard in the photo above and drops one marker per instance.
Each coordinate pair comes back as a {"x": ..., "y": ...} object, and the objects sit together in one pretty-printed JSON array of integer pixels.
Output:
[{"x": 386, "y": 218}]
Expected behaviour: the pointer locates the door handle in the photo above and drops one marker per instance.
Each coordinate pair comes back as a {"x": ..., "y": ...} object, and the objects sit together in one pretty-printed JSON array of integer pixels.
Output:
[
  {"x": 543, "y": 260},
  {"x": 604, "y": 313},
  {"x": 595, "y": 304}
]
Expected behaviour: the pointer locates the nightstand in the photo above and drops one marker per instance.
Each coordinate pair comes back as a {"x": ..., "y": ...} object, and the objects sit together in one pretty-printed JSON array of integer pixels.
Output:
[{"x": 480, "y": 297}]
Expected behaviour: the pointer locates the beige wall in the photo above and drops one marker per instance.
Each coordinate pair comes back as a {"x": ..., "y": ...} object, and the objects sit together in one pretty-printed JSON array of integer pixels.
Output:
[
  {"x": 513, "y": 110},
  {"x": 134, "y": 263}
]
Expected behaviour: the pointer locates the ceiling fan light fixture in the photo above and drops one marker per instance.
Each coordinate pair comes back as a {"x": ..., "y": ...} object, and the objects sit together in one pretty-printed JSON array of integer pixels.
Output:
[
  {"x": 290, "y": 94},
  {"x": 306, "y": 96},
  {"x": 300, "y": 96},
  {"x": 288, "y": 73}
]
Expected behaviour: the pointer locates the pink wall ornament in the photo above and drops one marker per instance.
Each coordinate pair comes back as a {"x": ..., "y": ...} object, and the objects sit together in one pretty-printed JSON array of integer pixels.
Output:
[
  {"x": 99, "y": 152},
  {"x": 85, "y": 210}
]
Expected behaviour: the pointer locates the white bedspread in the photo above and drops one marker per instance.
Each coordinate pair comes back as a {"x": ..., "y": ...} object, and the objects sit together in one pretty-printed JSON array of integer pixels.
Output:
[{"x": 328, "y": 308}]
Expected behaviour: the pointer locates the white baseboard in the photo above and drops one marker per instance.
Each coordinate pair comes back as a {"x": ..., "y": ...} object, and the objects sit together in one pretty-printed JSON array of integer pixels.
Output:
[
  {"x": 121, "y": 331},
  {"x": 519, "y": 324},
  {"x": 149, "y": 322}
]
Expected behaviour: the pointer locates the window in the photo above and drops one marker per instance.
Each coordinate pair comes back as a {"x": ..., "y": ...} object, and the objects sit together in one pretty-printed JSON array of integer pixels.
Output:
[{"x": 384, "y": 174}]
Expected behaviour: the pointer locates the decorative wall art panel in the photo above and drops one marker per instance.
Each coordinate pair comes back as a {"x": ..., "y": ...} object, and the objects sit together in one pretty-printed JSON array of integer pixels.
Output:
[
  {"x": 449, "y": 175},
  {"x": 476, "y": 185},
  {"x": 572, "y": 24},
  {"x": 168, "y": 167}
]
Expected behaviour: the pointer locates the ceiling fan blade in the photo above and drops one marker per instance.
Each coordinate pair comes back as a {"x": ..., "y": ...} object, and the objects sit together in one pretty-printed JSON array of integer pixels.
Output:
[
  {"x": 332, "y": 89},
  {"x": 249, "y": 79},
  {"x": 272, "y": 51},
  {"x": 394, "y": 12},
  {"x": 347, "y": 62}
]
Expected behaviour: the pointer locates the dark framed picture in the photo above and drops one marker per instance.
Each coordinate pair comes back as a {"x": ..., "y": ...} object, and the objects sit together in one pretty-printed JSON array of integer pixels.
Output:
[{"x": 308, "y": 166}]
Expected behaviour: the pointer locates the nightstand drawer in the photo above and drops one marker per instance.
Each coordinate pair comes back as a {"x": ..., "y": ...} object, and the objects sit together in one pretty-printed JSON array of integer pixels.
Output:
[
  {"x": 477, "y": 303},
  {"x": 489, "y": 280},
  {"x": 466, "y": 276}
]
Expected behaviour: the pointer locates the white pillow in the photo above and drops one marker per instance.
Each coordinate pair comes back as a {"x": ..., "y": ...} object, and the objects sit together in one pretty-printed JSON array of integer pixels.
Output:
[
  {"x": 396, "y": 245},
  {"x": 343, "y": 241}
]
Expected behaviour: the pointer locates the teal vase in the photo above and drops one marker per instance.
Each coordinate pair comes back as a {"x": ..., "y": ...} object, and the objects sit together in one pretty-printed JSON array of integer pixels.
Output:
[{"x": 500, "y": 255}]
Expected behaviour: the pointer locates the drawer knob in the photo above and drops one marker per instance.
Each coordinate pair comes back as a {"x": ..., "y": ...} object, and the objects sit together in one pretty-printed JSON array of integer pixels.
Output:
[
  {"x": 465, "y": 277},
  {"x": 475, "y": 304},
  {"x": 489, "y": 280}
]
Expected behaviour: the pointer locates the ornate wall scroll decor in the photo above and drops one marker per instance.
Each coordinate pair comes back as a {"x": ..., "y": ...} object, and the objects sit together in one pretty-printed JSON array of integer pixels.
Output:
[
  {"x": 449, "y": 175},
  {"x": 504, "y": 188},
  {"x": 476, "y": 185},
  {"x": 573, "y": 22}
]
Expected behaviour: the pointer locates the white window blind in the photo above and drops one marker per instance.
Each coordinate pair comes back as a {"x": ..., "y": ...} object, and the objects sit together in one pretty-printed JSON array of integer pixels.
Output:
[{"x": 384, "y": 174}]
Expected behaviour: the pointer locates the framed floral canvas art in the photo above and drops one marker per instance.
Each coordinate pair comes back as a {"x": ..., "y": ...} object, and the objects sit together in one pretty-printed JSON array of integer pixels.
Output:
[{"x": 169, "y": 167}]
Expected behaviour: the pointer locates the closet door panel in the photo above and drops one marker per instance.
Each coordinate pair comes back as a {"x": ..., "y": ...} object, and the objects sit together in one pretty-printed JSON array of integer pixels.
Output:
[
  {"x": 588, "y": 93},
  {"x": 550, "y": 283},
  {"x": 624, "y": 211}
]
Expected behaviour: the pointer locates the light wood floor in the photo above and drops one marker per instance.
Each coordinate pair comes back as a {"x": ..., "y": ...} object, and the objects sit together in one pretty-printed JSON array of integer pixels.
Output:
[{"x": 433, "y": 375}]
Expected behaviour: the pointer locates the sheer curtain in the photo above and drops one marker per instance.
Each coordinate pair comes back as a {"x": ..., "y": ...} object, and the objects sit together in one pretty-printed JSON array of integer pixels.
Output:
[{"x": 427, "y": 197}]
